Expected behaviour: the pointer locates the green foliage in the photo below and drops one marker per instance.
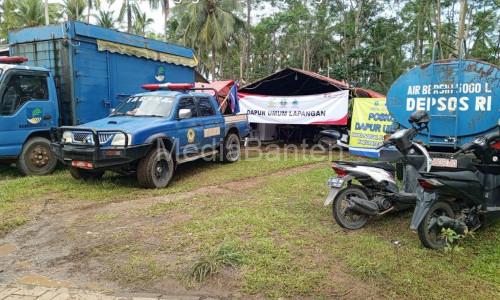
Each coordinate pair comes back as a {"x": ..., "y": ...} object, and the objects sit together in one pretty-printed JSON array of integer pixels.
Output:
[
  {"x": 367, "y": 43},
  {"x": 454, "y": 239},
  {"x": 226, "y": 255}
]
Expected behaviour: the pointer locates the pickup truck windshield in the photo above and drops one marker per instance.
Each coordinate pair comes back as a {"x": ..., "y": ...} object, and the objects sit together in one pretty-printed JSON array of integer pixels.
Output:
[{"x": 145, "y": 106}]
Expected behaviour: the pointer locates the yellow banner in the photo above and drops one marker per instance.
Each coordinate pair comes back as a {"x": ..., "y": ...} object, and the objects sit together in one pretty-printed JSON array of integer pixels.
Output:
[{"x": 370, "y": 119}]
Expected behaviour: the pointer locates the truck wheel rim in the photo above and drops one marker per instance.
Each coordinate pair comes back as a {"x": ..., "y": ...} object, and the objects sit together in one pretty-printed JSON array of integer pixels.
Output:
[
  {"x": 234, "y": 149},
  {"x": 161, "y": 169},
  {"x": 39, "y": 157}
]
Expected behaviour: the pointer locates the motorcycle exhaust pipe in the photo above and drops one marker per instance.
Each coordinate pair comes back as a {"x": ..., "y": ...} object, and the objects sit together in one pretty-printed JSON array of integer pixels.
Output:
[
  {"x": 446, "y": 222},
  {"x": 363, "y": 206}
]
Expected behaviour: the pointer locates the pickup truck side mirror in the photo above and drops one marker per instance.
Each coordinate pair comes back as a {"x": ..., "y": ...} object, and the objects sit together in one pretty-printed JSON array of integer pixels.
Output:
[{"x": 185, "y": 113}]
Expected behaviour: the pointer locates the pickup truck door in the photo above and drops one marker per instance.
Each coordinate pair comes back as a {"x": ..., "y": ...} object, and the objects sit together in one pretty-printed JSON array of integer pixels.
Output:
[
  {"x": 25, "y": 107},
  {"x": 189, "y": 131},
  {"x": 213, "y": 123}
]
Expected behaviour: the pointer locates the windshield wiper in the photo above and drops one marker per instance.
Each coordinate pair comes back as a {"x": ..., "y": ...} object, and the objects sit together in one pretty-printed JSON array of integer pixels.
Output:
[
  {"x": 117, "y": 114},
  {"x": 153, "y": 116}
]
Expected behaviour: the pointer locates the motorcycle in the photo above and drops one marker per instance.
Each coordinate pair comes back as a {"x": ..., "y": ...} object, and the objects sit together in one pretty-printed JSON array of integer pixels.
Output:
[
  {"x": 377, "y": 192},
  {"x": 331, "y": 139},
  {"x": 462, "y": 199}
]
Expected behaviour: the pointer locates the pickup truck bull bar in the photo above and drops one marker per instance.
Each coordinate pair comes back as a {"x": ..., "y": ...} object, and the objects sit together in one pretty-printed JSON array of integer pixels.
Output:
[{"x": 56, "y": 134}]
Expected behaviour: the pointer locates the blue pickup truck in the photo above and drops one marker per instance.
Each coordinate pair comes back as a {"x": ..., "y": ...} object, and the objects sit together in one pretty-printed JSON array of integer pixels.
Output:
[
  {"x": 149, "y": 134},
  {"x": 70, "y": 74}
]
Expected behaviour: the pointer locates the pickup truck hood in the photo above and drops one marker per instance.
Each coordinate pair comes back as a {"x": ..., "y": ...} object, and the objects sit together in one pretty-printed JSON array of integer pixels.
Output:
[{"x": 129, "y": 124}]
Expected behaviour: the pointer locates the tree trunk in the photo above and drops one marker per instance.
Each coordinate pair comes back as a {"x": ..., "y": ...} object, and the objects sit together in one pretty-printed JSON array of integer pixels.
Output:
[
  {"x": 214, "y": 62},
  {"x": 47, "y": 21},
  {"x": 221, "y": 66},
  {"x": 438, "y": 19},
  {"x": 129, "y": 17},
  {"x": 357, "y": 21},
  {"x": 166, "y": 12},
  {"x": 242, "y": 62},
  {"x": 248, "y": 37},
  {"x": 461, "y": 27}
]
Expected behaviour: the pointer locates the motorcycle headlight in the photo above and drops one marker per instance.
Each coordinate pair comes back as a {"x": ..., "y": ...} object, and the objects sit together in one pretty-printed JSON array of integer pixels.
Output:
[
  {"x": 67, "y": 137},
  {"x": 119, "y": 139}
]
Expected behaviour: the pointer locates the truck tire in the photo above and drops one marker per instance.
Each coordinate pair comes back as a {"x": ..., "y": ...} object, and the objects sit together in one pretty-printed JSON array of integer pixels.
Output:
[
  {"x": 81, "y": 174},
  {"x": 231, "y": 149},
  {"x": 36, "y": 157},
  {"x": 156, "y": 169}
]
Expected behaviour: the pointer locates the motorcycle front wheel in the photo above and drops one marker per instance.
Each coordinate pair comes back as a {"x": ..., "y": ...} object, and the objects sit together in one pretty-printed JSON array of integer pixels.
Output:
[
  {"x": 344, "y": 217},
  {"x": 429, "y": 232}
]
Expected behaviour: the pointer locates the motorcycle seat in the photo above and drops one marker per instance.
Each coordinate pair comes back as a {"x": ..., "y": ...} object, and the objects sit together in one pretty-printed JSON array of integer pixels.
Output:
[
  {"x": 374, "y": 164},
  {"x": 334, "y": 134},
  {"x": 459, "y": 175}
]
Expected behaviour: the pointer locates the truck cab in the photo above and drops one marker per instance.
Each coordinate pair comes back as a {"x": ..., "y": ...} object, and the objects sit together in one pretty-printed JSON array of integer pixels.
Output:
[
  {"x": 28, "y": 109},
  {"x": 149, "y": 134}
]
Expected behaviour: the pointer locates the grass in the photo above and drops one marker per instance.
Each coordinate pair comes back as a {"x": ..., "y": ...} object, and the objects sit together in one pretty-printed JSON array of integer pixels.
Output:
[
  {"x": 20, "y": 195},
  {"x": 226, "y": 255},
  {"x": 275, "y": 235},
  {"x": 293, "y": 248}
]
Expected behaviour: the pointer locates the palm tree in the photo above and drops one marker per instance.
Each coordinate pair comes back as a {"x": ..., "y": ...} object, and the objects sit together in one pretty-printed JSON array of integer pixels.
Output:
[
  {"x": 165, "y": 8},
  {"x": 126, "y": 9},
  {"x": 27, "y": 13},
  {"x": 74, "y": 9},
  {"x": 210, "y": 25},
  {"x": 92, "y": 4},
  {"x": 105, "y": 19},
  {"x": 141, "y": 22}
]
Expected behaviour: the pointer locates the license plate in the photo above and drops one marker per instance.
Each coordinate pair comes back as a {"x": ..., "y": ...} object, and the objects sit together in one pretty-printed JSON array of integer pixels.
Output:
[
  {"x": 444, "y": 162},
  {"x": 331, "y": 195},
  {"x": 82, "y": 164},
  {"x": 335, "y": 182}
]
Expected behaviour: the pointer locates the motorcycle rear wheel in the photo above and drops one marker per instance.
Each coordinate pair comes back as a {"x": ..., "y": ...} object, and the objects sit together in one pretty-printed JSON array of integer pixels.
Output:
[
  {"x": 349, "y": 219},
  {"x": 432, "y": 237}
]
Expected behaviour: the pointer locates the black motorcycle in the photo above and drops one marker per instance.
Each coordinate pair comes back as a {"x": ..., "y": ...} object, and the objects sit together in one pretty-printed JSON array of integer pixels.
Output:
[
  {"x": 331, "y": 139},
  {"x": 365, "y": 189},
  {"x": 462, "y": 199}
]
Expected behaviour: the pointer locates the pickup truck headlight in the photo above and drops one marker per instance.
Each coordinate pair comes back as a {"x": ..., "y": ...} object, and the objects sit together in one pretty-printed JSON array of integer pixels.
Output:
[
  {"x": 67, "y": 137},
  {"x": 119, "y": 139}
]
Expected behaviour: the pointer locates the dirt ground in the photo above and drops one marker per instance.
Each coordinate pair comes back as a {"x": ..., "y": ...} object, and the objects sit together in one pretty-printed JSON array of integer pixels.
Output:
[{"x": 61, "y": 246}]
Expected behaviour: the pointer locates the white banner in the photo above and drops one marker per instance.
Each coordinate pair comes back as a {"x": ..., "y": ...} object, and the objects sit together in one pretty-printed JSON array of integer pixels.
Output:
[{"x": 329, "y": 108}]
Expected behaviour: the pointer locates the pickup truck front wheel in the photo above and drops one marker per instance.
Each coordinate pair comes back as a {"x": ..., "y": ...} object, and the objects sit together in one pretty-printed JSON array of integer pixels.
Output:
[
  {"x": 231, "y": 149},
  {"x": 156, "y": 169},
  {"x": 36, "y": 157}
]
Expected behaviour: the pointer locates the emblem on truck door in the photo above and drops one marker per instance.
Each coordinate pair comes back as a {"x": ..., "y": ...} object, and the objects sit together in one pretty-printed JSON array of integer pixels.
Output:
[
  {"x": 191, "y": 135},
  {"x": 160, "y": 74},
  {"x": 34, "y": 115}
]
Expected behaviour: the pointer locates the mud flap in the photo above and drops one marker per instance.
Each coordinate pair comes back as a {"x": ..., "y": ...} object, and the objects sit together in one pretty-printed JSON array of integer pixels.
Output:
[
  {"x": 331, "y": 195},
  {"x": 424, "y": 202}
]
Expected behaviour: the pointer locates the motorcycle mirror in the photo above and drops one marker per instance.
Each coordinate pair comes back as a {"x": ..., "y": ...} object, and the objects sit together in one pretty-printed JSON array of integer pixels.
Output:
[{"x": 419, "y": 117}]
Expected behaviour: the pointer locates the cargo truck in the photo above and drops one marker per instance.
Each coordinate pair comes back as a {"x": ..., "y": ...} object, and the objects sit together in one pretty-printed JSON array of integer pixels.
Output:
[{"x": 75, "y": 73}]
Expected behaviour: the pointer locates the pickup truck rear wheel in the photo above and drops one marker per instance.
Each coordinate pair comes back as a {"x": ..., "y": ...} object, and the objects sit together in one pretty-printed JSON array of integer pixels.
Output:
[
  {"x": 36, "y": 157},
  {"x": 231, "y": 149},
  {"x": 81, "y": 174},
  {"x": 156, "y": 169}
]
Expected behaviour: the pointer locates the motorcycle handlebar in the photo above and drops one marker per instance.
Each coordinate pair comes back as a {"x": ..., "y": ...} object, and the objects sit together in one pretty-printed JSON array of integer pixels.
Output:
[
  {"x": 384, "y": 144},
  {"x": 463, "y": 149}
]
